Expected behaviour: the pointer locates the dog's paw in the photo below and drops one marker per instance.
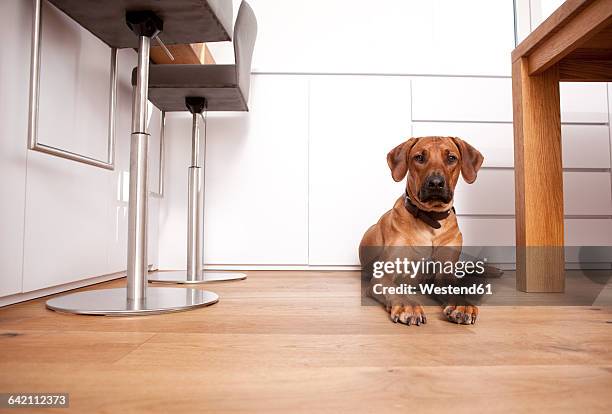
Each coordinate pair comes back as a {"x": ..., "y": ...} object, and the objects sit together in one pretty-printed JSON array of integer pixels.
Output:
[
  {"x": 408, "y": 314},
  {"x": 464, "y": 315}
]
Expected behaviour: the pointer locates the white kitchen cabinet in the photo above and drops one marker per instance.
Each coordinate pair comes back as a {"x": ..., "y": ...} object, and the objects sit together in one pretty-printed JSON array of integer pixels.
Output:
[
  {"x": 76, "y": 214},
  {"x": 351, "y": 132},
  {"x": 256, "y": 197}
]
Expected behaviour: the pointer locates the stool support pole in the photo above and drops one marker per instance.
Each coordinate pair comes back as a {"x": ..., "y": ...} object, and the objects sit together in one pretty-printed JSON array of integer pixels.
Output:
[
  {"x": 195, "y": 273},
  {"x": 138, "y": 203},
  {"x": 195, "y": 216}
]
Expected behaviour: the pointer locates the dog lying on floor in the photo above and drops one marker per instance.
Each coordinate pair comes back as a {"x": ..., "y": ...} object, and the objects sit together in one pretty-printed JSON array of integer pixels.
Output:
[{"x": 423, "y": 217}]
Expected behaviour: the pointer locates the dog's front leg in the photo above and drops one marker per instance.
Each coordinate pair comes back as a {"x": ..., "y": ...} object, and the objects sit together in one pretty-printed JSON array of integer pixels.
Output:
[
  {"x": 465, "y": 315},
  {"x": 455, "y": 308},
  {"x": 402, "y": 308}
]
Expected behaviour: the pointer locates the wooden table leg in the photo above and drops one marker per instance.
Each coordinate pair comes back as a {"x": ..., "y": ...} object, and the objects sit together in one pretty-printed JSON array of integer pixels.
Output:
[{"x": 538, "y": 180}]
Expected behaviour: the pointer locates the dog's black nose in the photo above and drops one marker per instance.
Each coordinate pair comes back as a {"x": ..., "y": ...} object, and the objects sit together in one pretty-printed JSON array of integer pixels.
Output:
[{"x": 436, "y": 182}]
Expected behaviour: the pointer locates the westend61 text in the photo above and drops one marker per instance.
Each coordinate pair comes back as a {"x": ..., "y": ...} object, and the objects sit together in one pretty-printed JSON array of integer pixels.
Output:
[{"x": 432, "y": 289}]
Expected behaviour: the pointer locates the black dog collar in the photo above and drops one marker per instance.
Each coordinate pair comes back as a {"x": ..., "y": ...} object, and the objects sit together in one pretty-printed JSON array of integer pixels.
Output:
[{"x": 431, "y": 218}]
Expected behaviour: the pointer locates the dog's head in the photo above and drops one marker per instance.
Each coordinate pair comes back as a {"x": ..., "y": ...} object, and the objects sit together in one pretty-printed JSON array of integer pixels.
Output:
[{"x": 433, "y": 165}]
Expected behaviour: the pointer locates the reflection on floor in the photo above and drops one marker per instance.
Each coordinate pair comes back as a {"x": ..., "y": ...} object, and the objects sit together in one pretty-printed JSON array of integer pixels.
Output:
[{"x": 301, "y": 342}]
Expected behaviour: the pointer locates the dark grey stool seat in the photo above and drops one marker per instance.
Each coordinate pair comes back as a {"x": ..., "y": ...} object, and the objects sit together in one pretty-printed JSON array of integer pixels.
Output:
[
  {"x": 185, "y": 21},
  {"x": 225, "y": 87},
  {"x": 169, "y": 85}
]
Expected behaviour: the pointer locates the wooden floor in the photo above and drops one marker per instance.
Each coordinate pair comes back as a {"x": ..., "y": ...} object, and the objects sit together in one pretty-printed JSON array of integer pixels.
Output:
[{"x": 287, "y": 342}]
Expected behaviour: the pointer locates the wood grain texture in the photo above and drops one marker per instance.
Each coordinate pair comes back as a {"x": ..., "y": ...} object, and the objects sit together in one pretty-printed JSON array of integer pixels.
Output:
[
  {"x": 538, "y": 179},
  {"x": 204, "y": 54},
  {"x": 301, "y": 342},
  {"x": 577, "y": 36},
  {"x": 194, "y": 54},
  {"x": 573, "y": 70},
  {"x": 574, "y": 33},
  {"x": 568, "y": 10}
]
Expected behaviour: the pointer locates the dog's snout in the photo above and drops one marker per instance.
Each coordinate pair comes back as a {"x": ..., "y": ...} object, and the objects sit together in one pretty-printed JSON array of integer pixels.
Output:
[
  {"x": 435, "y": 187},
  {"x": 435, "y": 182}
]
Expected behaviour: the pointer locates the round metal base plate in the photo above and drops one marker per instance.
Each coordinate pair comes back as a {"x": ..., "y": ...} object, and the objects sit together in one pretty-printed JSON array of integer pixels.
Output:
[
  {"x": 113, "y": 302},
  {"x": 180, "y": 277}
]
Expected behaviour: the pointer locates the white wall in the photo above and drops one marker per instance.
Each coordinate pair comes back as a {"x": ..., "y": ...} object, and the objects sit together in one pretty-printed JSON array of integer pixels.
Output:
[
  {"x": 61, "y": 222},
  {"x": 441, "y": 37},
  {"x": 374, "y": 75},
  {"x": 385, "y": 36}
]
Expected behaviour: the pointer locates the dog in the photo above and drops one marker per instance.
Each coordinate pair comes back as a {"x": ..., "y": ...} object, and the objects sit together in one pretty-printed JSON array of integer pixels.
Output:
[{"x": 423, "y": 217}]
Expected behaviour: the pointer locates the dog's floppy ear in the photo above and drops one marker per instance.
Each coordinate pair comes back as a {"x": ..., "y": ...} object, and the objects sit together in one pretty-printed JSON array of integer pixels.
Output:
[
  {"x": 471, "y": 160},
  {"x": 397, "y": 159}
]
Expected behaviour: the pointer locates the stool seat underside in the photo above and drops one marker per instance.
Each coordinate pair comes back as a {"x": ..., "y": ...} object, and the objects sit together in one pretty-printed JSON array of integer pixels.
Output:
[{"x": 185, "y": 21}]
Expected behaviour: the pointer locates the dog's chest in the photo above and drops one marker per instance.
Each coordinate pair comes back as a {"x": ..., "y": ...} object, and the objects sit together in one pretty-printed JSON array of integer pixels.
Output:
[{"x": 419, "y": 233}]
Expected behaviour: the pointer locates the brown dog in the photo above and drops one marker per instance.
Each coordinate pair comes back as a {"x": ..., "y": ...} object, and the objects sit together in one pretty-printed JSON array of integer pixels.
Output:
[{"x": 424, "y": 216}]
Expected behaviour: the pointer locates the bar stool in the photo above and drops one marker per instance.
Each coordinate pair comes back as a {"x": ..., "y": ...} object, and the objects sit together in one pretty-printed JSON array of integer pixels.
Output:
[
  {"x": 133, "y": 23},
  {"x": 201, "y": 88}
]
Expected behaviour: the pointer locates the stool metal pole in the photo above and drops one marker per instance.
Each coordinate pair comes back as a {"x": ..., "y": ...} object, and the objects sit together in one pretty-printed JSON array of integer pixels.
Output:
[
  {"x": 195, "y": 215},
  {"x": 137, "y": 298},
  {"x": 138, "y": 202}
]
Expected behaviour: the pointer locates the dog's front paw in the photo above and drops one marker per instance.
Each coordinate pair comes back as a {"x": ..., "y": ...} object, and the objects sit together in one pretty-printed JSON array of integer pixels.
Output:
[
  {"x": 465, "y": 315},
  {"x": 407, "y": 313}
]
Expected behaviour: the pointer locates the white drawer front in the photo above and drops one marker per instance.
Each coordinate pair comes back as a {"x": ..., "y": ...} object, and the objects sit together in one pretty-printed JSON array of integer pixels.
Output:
[
  {"x": 588, "y": 232},
  {"x": 578, "y": 233},
  {"x": 584, "y": 102},
  {"x": 491, "y": 193},
  {"x": 487, "y": 231},
  {"x": 462, "y": 99},
  {"x": 584, "y": 146},
  {"x": 493, "y": 140},
  {"x": 585, "y": 193},
  {"x": 490, "y": 100}
]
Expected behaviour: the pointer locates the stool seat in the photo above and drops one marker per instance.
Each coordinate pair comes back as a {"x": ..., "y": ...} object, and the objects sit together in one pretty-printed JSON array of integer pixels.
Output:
[
  {"x": 169, "y": 85},
  {"x": 185, "y": 21},
  {"x": 225, "y": 87}
]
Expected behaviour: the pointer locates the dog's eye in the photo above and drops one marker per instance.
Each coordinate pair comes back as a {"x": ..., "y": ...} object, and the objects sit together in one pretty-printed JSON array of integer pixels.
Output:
[
  {"x": 452, "y": 158},
  {"x": 419, "y": 158}
]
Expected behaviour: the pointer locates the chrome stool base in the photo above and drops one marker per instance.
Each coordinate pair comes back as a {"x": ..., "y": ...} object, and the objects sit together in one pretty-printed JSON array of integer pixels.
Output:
[
  {"x": 113, "y": 302},
  {"x": 180, "y": 277}
]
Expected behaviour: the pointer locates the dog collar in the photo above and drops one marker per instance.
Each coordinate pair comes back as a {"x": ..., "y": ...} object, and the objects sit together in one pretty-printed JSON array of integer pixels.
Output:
[{"x": 431, "y": 218}]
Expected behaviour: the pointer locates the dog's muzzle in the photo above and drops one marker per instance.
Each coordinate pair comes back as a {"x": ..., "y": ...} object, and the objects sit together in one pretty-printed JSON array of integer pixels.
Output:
[{"x": 435, "y": 188}]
